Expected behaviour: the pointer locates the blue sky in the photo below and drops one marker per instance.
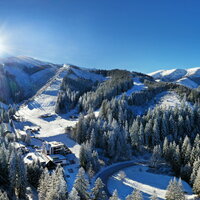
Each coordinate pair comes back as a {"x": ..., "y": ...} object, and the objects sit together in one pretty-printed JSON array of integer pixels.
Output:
[{"x": 139, "y": 35}]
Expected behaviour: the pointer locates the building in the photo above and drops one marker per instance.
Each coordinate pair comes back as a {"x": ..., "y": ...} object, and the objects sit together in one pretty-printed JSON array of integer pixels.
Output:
[
  {"x": 54, "y": 147},
  {"x": 45, "y": 160},
  {"x": 59, "y": 159}
]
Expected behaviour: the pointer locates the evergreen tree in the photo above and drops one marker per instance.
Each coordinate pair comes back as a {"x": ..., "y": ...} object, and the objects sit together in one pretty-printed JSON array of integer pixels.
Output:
[
  {"x": 136, "y": 195},
  {"x": 44, "y": 185},
  {"x": 73, "y": 195},
  {"x": 81, "y": 184},
  {"x": 98, "y": 192},
  {"x": 114, "y": 196},
  {"x": 3, "y": 196},
  {"x": 57, "y": 187},
  {"x": 174, "y": 191},
  {"x": 196, "y": 186},
  {"x": 156, "y": 156}
]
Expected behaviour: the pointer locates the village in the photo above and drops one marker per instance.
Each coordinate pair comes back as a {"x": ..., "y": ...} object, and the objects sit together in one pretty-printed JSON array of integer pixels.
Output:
[{"x": 34, "y": 149}]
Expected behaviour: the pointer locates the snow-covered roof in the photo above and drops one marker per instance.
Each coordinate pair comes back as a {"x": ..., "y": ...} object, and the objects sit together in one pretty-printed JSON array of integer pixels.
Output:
[
  {"x": 57, "y": 156},
  {"x": 34, "y": 156},
  {"x": 54, "y": 144},
  {"x": 18, "y": 145}
]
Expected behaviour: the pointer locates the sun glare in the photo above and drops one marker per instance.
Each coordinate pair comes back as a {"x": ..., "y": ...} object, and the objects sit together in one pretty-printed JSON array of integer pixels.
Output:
[{"x": 3, "y": 48}]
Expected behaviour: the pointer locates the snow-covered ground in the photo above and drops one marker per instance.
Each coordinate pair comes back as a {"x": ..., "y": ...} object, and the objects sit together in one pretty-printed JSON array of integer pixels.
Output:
[
  {"x": 167, "y": 99},
  {"x": 138, "y": 177},
  {"x": 137, "y": 86},
  {"x": 39, "y": 111},
  {"x": 52, "y": 128}
]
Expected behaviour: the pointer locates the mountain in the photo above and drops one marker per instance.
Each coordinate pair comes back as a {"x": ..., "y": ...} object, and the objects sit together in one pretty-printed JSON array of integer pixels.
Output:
[
  {"x": 187, "y": 77},
  {"x": 94, "y": 118},
  {"x": 21, "y": 77}
]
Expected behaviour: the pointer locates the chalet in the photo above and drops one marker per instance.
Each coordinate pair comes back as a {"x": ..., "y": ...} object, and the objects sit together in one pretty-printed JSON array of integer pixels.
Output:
[{"x": 45, "y": 160}]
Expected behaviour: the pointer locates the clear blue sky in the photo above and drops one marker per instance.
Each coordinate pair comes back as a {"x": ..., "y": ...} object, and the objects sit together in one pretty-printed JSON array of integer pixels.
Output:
[{"x": 140, "y": 35}]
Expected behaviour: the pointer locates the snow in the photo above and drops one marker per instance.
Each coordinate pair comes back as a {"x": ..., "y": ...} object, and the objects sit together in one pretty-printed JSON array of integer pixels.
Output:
[
  {"x": 181, "y": 76},
  {"x": 166, "y": 100},
  {"x": 187, "y": 82},
  {"x": 138, "y": 86},
  {"x": 29, "y": 82},
  {"x": 84, "y": 73},
  {"x": 138, "y": 177},
  {"x": 28, "y": 61},
  {"x": 53, "y": 127},
  {"x": 193, "y": 71}
]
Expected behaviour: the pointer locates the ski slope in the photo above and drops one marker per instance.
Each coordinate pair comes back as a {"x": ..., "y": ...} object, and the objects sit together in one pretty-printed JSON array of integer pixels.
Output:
[
  {"x": 40, "y": 109},
  {"x": 43, "y": 103}
]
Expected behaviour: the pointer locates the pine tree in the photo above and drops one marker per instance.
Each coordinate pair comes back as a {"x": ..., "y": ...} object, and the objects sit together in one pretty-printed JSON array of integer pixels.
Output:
[
  {"x": 136, "y": 195},
  {"x": 73, "y": 195},
  {"x": 3, "y": 196},
  {"x": 98, "y": 192},
  {"x": 156, "y": 156},
  {"x": 57, "y": 187},
  {"x": 114, "y": 196},
  {"x": 196, "y": 186},
  {"x": 174, "y": 191},
  {"x": 44, "y": 185},
  {"x": 196, "y": 167},
  {"x": 81, "y": 184}
]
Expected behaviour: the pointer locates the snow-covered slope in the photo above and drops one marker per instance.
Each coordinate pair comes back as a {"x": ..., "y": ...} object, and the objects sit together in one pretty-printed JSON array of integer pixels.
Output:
[
  {"x": 138, "y": 177},
  {"x": 52, "y": 128},
  {"x": 188, "y": 77},
  {"x": 21, "y": 77}
]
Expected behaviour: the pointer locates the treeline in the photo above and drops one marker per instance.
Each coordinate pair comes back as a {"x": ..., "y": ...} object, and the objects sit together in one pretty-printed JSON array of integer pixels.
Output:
[
  {"x": 120, "y": 82},
  {"x": 70, "y": 91},
  {"x": 87, "y": 95}
]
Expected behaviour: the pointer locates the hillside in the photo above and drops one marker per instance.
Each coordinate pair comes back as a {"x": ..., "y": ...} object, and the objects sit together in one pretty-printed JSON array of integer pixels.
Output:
[
  {"x": 21, "y": 77},
  {"x": 103, "y": 121}
]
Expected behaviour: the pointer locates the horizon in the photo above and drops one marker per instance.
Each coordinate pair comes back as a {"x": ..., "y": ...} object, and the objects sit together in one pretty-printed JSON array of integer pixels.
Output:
[
  {"x": 135, "y": 35},
  {"x": 104, "y": 68}
]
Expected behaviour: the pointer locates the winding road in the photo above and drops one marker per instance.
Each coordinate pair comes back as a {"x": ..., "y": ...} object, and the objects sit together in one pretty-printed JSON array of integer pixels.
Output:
[{"x": 109, "y": 171}]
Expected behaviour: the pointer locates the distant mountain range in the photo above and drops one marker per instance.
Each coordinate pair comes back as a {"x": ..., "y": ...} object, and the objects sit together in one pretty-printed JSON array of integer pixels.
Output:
[
  {"x": 21, "y": 77},
  {"x": 188, "y": 77}
]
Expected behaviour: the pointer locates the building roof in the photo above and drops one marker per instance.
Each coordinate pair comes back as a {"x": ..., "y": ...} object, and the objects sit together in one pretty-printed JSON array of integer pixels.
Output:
[{"x": 34, "y": 156}]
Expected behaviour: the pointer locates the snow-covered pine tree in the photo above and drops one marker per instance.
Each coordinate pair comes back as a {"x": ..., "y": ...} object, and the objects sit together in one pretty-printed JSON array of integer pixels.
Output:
[
  {"x": 3, "y": 196},
  {"x": 175, "y": 190},
  {"x": 73, "y": 195},
  {"x": 81, "y": 185},
  {"x": 196, "y": 186},
  {"x": 98, "y": 192},
  {"x": 196, "y": 167},
  {"x": 156, "y": 156},
  {"x": 44, "y": 185},
  {"x": 136, "y": 195},
  {"x": 58, "y": 187},
  {"x": 114, "y": 196}
]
